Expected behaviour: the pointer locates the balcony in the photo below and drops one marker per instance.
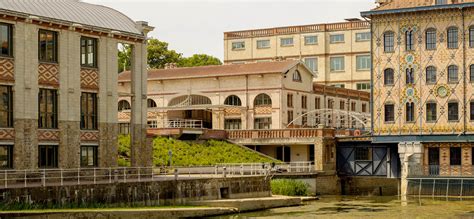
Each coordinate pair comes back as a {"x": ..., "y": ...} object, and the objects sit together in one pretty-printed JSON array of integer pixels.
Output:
[{"x": 278, "y": 136}]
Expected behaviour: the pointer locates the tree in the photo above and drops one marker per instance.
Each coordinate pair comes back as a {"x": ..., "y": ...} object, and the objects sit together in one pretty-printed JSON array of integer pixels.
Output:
[
  {"x": 124, "y": 57},
  {"x": 159, "y": 54},
  {"x": 199, "y": 60}
]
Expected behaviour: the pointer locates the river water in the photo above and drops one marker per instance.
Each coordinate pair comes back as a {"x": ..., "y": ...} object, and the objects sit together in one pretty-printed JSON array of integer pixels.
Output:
[{"x": 369, "y": 207}]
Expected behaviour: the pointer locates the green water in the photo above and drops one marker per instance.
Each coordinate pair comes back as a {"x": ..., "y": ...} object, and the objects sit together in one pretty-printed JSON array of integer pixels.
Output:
[{"x": 369, "y": 207}]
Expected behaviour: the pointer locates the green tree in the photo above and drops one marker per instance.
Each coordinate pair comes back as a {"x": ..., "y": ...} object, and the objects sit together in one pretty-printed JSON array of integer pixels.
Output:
[
  {"x": 159, "y": 54},
  {"x": 199, "y": 60},
  {"x": 124, "y": 57}
]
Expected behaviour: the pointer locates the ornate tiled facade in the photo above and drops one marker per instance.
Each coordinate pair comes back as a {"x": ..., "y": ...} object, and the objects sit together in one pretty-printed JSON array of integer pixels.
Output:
[
  {"x": 90, "y": 136},
  {"x": 48, "y": 74},
  {"x": 7, "y": 69},
  {"x": 48, "y": 135},
  {"x": 89, "y": 79},
  {"x": 7, "y": 134}
]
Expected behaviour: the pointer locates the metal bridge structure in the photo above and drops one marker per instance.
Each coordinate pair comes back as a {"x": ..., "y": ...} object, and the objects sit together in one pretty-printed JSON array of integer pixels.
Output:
[{"x": 333, "y": 118}]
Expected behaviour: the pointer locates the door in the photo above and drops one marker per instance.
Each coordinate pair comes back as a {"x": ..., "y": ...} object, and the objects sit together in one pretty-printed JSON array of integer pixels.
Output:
[{"x": 433, "y": 161}]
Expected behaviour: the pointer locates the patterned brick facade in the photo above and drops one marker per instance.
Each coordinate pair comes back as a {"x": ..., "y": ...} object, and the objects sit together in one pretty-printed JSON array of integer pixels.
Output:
[
  {"x": 7, "y": 134},
  {"x": 48, "y": 74},
  {"x": 7, "y": 69},
  {"x": 89, "y": 79},
  {"x": 48, "y": 135}
]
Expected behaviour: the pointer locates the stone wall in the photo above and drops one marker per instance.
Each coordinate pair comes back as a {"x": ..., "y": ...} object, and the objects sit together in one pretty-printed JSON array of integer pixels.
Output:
[{"x": 369, "y": 186}]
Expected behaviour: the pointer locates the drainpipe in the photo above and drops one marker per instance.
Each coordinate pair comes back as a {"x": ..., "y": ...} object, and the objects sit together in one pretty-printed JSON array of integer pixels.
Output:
[
  {"x": 371, "y": 103},
  {"x": 464, "y": 69}
]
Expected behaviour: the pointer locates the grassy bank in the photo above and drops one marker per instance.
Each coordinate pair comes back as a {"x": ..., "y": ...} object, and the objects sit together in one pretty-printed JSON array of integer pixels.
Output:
[
  {"x": 192, "y": 153},
  {"x": 289, "y": 187}
]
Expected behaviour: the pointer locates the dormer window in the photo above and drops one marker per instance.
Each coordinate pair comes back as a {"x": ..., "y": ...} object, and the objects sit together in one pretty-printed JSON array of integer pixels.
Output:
[{"x": 297, "y": 76}]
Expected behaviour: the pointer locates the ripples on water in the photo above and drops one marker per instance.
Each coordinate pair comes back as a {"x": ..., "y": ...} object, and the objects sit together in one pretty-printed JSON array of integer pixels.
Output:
[{"x": 369, "y": 207}]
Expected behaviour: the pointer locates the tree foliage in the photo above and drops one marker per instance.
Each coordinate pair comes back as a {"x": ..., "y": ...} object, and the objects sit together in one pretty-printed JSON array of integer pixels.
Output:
[
  {"x": 159, "y": 54},
  {"x": 199, "y": 60}
]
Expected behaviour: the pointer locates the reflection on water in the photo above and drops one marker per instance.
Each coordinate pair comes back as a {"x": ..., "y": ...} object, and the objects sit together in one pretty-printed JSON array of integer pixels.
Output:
[{"x": 369, "y": 207}]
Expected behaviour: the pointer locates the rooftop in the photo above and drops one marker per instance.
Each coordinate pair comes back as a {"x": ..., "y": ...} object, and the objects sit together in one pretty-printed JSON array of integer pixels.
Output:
[{"x": 396, "y": 6}]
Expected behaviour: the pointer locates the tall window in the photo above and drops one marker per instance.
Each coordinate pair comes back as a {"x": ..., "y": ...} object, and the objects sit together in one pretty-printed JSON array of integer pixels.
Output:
[
  {"x": 389, "y": 113},
  {"x": 388, "y": 76},
  {"x": 430, "y": 75},
  {"x": 123, "y": 105},
  {"x": 410, "y": 40},
  {"x": 304, "y": 102},
  {"x": 297, "y": 76},
  {"x": 48, "y": 156},
  {"x": 317, "y": 103},
  {"x": 361, "y": 37},
  {"x": 48, "y": 109},
  {"x": 453, "y": 38},
  {"x": 336, "y": 38},
  {"x": 286, "y": 42},
  {"x": 48, "y": 46},
  {"x": 471, "y": 37},
  {"x": 431, "y": 112},
  {"x": 453, "y": 73},
  {"x": 89, "y": 111},
  {"x": 6, "y": 156},
  {"x": 471, "y": 110},
  {"x": 233, "y": 124},
  {"x": 6, "y": 106},
  {"x": 471, "y": 73},
  {"x": 410, "y": 112},
  {"x": 312, "y": 63},
  {"x": 311, "y": 40},
  {"x": 410, "y": 76},
  {"x": 6, "y": 38},
  {"x": 431, "y": 39},
  {"x": 262, "y": 100},
  {"x": 233, "y": 100},
  {"x": 455, "y": 156},
  {"x": 238, "y": 45},
  {"x": 453, "y": 111},
  {"x": 389, "y": 41},
  {"x": 363, "y": 62},
  {"x": 342, "y": 105},
  {"x": 263, "y": 123},
  {"x": 150, "y": 103},
  {"x": 88, "y": 52},
  {"x": 290, "y": 116},
  {"x": 89, "y": 156},
  {"x": 364, "y": 108},
  {"x": 263, "y": 44},
  {"x": 337, "y": 64},
  {"x": 289, "y": 100}
]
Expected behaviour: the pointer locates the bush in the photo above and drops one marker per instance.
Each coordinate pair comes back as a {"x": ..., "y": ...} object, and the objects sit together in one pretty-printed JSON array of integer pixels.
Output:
[{"x": 289, "y": 187}]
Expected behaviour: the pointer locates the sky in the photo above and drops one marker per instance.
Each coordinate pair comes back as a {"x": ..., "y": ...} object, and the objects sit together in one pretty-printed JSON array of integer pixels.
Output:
[{"x": 197, "y": 26}]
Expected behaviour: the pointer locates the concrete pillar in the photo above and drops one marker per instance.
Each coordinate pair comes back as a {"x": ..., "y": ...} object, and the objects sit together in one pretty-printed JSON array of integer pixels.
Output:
[
  {"x": 411, "y": 158},
  {"x": 324, "y": 154}
]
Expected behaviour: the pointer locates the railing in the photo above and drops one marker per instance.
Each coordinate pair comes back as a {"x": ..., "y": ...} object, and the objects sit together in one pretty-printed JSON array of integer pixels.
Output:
[
  {"x": 445, "y": 187},
  {"x": 279, "y": 133},
  {"x": 262, "y": 168},
  {"x": 184, "y": 123}
]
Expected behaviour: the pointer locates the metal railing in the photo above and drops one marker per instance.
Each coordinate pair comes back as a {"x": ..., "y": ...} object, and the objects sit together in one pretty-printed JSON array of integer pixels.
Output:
[
  {"x": 261, "y": 168},
  {"x": 184, "y": 123},
  {"x": 445, "y": 187}
]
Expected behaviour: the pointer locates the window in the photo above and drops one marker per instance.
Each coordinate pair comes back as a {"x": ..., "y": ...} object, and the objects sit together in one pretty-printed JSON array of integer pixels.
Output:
[
  {"x": 388, "y": 76},
  {"x": 330, "y": 104},
  {"x": 430, "y": 75},
  {"x": 342, "y": 105},
  {"x": 238, "y": 45},
  {"x": 431, "y": 39},
  {"x": 89, "y": 156},
  {"x": 311, "y": 40},
  {"x": 363, "y": 154},
  {"x": 452, "y": 38},
  {"x": 410, "y": 76},
  {"x": 452, "y": 74},
  {"x": 48, "y": 109},
  {"x": 123, "y": 105},
  {"x": 336, "y": 38},
  {"x": 290, "y": 116},
  {"x": 48, "y": 46},
  {"x": 124, "y": 128},
  {"x": 312, "y": 64},
  {"x": 6, "y": 106},
  {"x": 6, "y": 156},
  {"x": 471, "y": 37},
  {"x": 389, "y": 113},
  {"x": 339, "y": 85},
  {"x": 353, "y": 106},
  {"x": 389, "y": 41},
  {"x": 453, "y": 111},
  {"x": 263, "y": 100},
  {"x": 431, "y": 112},
  {"x": 48, "y": 156},
  {"x": 289, "y": 100},
  {"x": 360, "y": 37},
  {"x": 304, "y": 102},
  {"x": 286, "y": 42},
  {"x": 337, "y": 64},
  {"x": 150, "y": 103},
  {"x": 263, "y": 123},
  {"x": 304, "y": 119},
  {"x": 410, "y": 40},
  {"x": 263, "y": 44},
  {"x": 89, "y": 111},
  {"x": 88, "y": 52},
  {"x": 233, "y": 100},
  {"x": 471, "y": 110},
  {"x": 153, "y": 124},
  {"x": 233, "y": 124},
  {"x": 441, "y": 2},
  {"x": 471, "y": 73},
  {"x": 297, "y": 76},
  {"x": 364, "y": 108},
  {"x": 410, "y": 112},
  {"x": 455, "y": 156},
  {"x": 317, "y": 103},
  {"x": 363, "y": 62},
  {"x": 363, "y": 86},
  {"x": 6, "y": 38}
]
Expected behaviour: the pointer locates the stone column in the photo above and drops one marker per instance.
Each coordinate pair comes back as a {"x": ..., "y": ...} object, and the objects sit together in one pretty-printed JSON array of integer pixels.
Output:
[
  {"x": 411, "y": 158},
  {"x": 324, "y": 154}
]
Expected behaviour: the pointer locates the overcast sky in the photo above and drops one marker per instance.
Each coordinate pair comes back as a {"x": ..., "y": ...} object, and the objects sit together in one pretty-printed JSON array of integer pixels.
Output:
[{"x": 197, "y": 26}]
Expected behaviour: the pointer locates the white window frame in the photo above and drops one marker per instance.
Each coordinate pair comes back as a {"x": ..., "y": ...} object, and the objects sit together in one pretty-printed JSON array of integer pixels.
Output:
[
  {"x": 315, "y": 42},
  {"x": 315, "y": 67},
  {"x": 360, "y": 39},
  {"x": 334, "y": 38},
  {"x": 259, "y": 46},
  {"x": 234, "y": 48},
  {"x": 286, "y": 44},
  {"x": 367, "y": 62},
  {"x": 341, "y": 65}
]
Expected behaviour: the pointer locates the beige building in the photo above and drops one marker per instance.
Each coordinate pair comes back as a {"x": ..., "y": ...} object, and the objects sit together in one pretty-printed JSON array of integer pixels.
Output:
[
  {"x": 255, "y": 96},
  {"x": 337, "y": 53},
  {"x": 423, "y": 70},
  {"x": 58, "y": 83}
]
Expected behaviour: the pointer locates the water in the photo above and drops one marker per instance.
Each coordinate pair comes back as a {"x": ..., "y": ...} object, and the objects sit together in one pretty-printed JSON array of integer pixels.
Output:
[{"x": 368, "y": 207}]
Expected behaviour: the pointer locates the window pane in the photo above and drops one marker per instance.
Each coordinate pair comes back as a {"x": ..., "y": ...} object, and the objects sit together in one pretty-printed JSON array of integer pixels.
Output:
[
  {"x": 261, "y": 44},
  {"x": 389, "y": 113},
  {"x": 362, "y": 36},
  {"x": 431, "y": 39},
  {"x": 431, "y": 112},
  {"x": 363, "y": 62},
  {"x": 389, "y": 42},
  {"x": 310, "y": 40},
  {"x": 452, "y": 38},
  {"x": 286, "y": 41},
  {"x": 238, "y": 45},
  {"x": 337, "y": 64},
  {"x": 453, "y": 111},
  {"x": 455, "y": 156},
  {"x": 5, "y": 39},
  {"x": 312, "y": 64},
  {"x": 337, "y": 38}
]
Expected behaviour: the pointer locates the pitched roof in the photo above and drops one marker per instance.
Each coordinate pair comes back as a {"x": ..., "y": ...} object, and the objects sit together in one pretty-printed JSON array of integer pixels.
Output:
[
  {"x": 216, "y": 70},
  {"x": 414, "y": 5},
  {"x": 74, "y": 11}
]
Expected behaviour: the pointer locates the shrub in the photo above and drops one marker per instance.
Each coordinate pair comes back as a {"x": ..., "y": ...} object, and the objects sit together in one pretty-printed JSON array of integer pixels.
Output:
[{"x": 289, "y": 187}]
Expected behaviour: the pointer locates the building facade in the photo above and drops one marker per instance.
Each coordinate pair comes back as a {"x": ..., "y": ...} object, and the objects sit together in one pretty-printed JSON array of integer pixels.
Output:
[
  {"x": 58, "y": 77},
  {"x": 423, "y": 70},
  {"x": 255, "y": 96},
  {"x": 337, "y": 53}
]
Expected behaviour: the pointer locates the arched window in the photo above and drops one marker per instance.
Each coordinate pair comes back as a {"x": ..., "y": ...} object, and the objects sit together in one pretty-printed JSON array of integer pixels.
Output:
[
  {"x": 388, "y": 76},
  {"x": 431, "y": 39},
  {"x": 388, "y": 41},
  {"x": 190, "y": 100},
  {"x": 123, "y": 105},
  {"x": 262, "y": 100},
  {"x": 297, "y": 76},
  {"x": 453, "y": 73},
  {"x": 410, "y": 76},
  {"x": 151, "y": 103},
  {"x": 233, "y": 100},
  {"x": 410, "y": 40},
  {"x": 430, "y": 75},
  {"x": 453, "y": 38}
]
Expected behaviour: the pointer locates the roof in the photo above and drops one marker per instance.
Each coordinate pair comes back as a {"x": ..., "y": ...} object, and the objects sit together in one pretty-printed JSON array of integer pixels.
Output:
[
  {"x": 396, "y": 6},
  {"x": 73, "y": 11},
  {"x": 216, "y": 70}
]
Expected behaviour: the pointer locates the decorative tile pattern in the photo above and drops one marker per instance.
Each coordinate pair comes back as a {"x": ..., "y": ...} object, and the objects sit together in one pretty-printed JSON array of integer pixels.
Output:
[
  {"x": 124, "y": 117},
  {"x": 48, "y": 74},
  {"x": 232, "y": 112},
  {"x": 7, "y": 69},
  {"x": 89, "y": 79},
  {"x": 7, "y": 134},
  {"x": 48, "y": 135},
  {"x": 152, "y": 115},
  {"x": 89, "y": 136},
  {"x": 263, "y": 110}
]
